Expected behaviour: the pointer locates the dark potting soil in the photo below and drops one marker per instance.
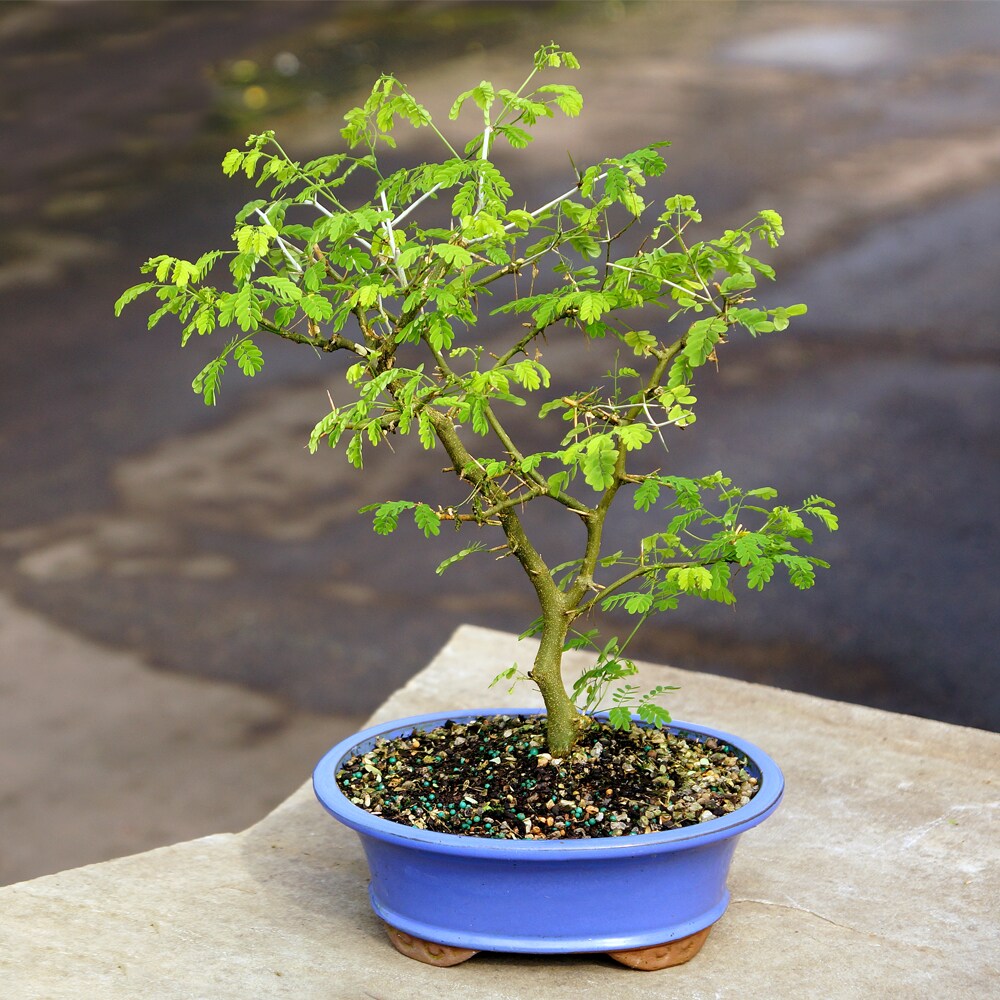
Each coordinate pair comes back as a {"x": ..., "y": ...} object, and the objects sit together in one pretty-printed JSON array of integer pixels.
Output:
[{"x": 492, "y": 777}]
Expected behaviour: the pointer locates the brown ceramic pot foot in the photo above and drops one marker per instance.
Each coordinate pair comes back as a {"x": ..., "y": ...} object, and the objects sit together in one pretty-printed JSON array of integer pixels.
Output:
[
  {"x": 441, "y": 955},
  {"x": 649, "y": 959},
  {"x": 662, "y": 956}
]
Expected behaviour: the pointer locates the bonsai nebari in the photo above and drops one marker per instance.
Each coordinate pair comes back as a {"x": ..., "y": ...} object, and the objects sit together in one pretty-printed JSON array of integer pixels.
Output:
[{"x": 369, "y": 280}]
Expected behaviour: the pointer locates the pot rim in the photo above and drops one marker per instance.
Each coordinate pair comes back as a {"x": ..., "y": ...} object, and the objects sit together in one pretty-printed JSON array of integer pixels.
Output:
[{"x": 328, "y": 792}]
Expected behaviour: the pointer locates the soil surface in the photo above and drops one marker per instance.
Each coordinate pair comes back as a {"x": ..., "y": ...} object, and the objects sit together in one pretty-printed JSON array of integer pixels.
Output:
[{"x": 494, "y": 778}]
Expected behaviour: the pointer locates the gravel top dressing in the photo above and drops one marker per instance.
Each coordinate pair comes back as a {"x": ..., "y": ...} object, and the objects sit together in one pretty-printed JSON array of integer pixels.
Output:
[{"x": 493, "y": 778}]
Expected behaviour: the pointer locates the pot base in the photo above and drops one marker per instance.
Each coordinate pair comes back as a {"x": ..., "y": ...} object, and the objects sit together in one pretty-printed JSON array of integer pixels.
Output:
[
  {"x": 428, "y": 952},
  {"x": 649, "y": 959},
  {"x": 662, "y": 956}
]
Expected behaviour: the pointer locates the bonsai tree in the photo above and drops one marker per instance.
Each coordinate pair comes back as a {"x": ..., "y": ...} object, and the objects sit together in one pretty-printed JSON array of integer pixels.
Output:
[{"x": 367, "y": 278}]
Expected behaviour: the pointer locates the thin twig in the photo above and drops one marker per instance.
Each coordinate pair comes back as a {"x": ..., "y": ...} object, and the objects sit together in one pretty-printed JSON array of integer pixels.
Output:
[
  {"x": 285, "y": 247},
  {"x": 387, "y": 225},
  {"x": 649, "y": 274},
  {"x": 409, "y": 208},
  {"x": 330, "y": 215}
]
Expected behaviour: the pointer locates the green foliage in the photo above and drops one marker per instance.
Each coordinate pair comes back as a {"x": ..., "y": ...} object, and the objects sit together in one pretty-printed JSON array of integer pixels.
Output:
[
  {"x": 377, "y": 278},
  {"x": 591, "y": 688}
]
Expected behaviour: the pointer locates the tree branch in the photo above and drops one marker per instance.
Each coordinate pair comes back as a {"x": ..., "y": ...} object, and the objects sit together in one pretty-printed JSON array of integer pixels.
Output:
[
  {"x": 634, "y": 574},
  {"x": 465, "y": 467},
  {"x": 595, "y": 533},
  {"x": 333, "y": 343}
]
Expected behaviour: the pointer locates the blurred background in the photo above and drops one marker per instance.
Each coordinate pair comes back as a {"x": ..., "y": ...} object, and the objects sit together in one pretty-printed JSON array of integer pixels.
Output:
[{"x": 190, "y": 608}]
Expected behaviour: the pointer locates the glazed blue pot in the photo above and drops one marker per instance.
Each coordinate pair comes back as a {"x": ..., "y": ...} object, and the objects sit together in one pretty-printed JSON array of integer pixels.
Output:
[{"x": 599, "y": 894}]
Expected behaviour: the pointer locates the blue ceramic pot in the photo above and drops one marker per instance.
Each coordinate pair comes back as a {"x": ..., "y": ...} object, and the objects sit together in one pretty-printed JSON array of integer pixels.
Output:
[{"x": 601, "y": 894}]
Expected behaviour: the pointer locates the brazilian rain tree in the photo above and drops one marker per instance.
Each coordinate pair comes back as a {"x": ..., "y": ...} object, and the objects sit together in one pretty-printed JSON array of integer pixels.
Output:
[{"x": 396, "y": 279}]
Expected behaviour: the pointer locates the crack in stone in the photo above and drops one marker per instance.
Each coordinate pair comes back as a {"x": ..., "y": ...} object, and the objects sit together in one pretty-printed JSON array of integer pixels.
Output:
[
  {"x": 915, "y": 836},
  {"x": 803, "y": 909}
]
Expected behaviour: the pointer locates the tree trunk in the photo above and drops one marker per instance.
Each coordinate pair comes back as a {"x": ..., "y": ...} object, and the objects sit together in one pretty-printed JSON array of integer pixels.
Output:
[{"x": 564, "y": 723}]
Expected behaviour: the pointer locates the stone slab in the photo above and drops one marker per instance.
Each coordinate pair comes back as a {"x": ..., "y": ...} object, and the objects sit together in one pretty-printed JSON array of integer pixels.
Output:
[
  {"x": 877, "y": 877},
  {"x": 101, "y": 755}
]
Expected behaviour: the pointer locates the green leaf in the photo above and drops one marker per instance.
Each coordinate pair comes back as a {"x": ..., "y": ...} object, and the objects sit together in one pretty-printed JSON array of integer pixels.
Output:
[
  {"x": 439, "y": 332},
  {"x": 331, "y": 426},
  {"x": 647, "y": 159},
  {"x": 647, "y": 494},
  {"x": 232, "y": 162},
  {"x": 687, "y": 490},
  {"x": 366, "y": 295},
  {"x": 759, "y": 574},
  {"x": 552, "y": 56},
  {"x": 505, "y": 675},
  {"x": 772, "y": 229},
  {"x": 426, "y": 431},
  {"x": 206, "y": 382},
  {"x": 477, "y": 411},
  {"x": 828, "y": 518},
  {"x": 641, "y": 341},
  {"x": 456, "y": 108},
  {"x": 248, "y": 357},
  {"x": 568, "y": 98},
  {"x": 702, "y": 336},
  {"x": 249, "y": 162},
  {"x": 465, "y": 200},
  {"x": 484, "y": 95},
  {"x": 748, "y": 547},
  {"x": 284, "y": 288},
  {"x": 427, "y": 520},
  {"x": 205, "y": 263},
  {"x": 459, "y": 556},
  {"x": 683, "y": 521},
  {"x": 692, "y": 579},
  {"x": 131, "y": 294},
  {"x": 653, "y": 714},
  {"x": 585, "y": 245},
  {"x": 517, "y": 137},
  {"x": 598, "y": 462},
  {"x": 523, "y": 220},
  {"x": 683, "y": 205},
  {"x": 592, "y": 306},
  {"x": 247, "y": 308},
  {"x": 720, "y": 591},
  {"x": 801, "y": 573},
  {"x": 638, "y": 604},
  {"x": 620, "y": 717},
  {"x": 204, "y": 319},
  {"x": 454, "y": 255},
  {"x": 531, "y": 374},
  {"x": 386, "y": 515},
  {"x": 163, "y": 266},
  {"x": 625, "y": 695},
  {"x": 354, "y": 451},
  {"x": 246, "y": 239},
  {"x": 557, "y": 482},
  {"x": 316, "y": 307},
  {"x": 416, "y": 114},
  {"x": 634, "y": 436},
  {"x": 780, "y": 319},
  {"x": 242, "y": 266}
]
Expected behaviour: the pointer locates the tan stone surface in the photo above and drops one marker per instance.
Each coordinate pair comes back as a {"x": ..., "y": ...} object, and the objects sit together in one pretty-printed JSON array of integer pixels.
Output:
[
  {"x": 877, "y": 877},
  {"x": 102, "y": 756}
]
